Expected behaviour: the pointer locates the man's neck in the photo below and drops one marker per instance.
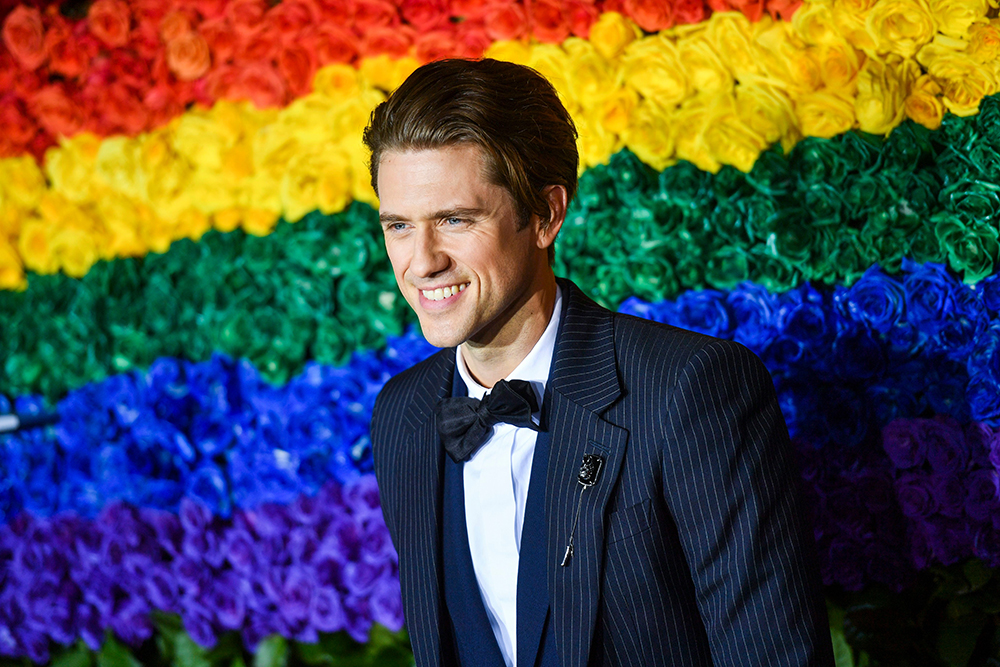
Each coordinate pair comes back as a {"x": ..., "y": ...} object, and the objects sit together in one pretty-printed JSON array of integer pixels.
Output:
[{"x": 491, "y": 362}]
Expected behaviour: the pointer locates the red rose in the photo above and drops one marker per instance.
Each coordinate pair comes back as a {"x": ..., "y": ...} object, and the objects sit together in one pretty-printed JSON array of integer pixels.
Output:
[
  {"x": 472, "y": 39},
  {"x": 24, "y": 36},
  {"x": 220, "y": 38},
  {"x": 425, "y": 15},
  {"x": 582, "y": 15},
  {"x": 435, "y": 45},
  {"x": 614, "y": 6},
  {"x": 262, "y": 45},
  {"x": 469, "y": 9},
  {"x": 122, "y": 110},
  {"x": 161, "y": 105},
  {"x": 782, "y": 10},
  {"x": 370, "y": 14},
  {"x": 188, "y": 56},
  {"x": 332, "y": 44},
  {"x": 109, "y": 21},
  {"x": 18, "y": 128},
  {"x": 175, "y": 24},
  {"x": 56, "y": 111},
  {"x": 246, "y": 15},
  {"x": 298, "y": 65},
  {"x": 211, "y": 9},
  {"x": 69, "y": 55},
  {"x": 687, "y": 12},
  {"x": 549, "y": 21},
  {"x": 752, "y": 9},
  {"x": 146, "y": 40},
  {"x": 258, "y": 82},
  {"x": 337, "y": 12},
  {"x": 651, "y": 15},
  {"x": 394, "y": 42},
  {"x": 130, "y": 69},
  {"x": 505, "y": 20},
  {"x": 291, "y": 16},
  {"x": 9, "y": 71}
]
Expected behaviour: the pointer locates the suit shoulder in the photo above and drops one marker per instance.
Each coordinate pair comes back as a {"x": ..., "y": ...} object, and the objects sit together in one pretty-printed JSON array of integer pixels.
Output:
[{"x": 401, "y": 388}]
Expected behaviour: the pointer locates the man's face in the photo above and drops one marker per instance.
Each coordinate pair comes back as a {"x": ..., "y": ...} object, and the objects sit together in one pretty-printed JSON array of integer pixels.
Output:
[{"x": 453, "y": 240}]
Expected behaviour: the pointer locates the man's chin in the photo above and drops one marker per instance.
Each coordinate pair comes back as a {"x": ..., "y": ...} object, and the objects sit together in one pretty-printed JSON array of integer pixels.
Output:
[{"x": 440, "y": 336}]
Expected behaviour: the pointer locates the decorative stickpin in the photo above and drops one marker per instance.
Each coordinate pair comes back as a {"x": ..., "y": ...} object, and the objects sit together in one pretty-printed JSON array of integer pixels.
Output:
[{"x": 590, "y": 471}]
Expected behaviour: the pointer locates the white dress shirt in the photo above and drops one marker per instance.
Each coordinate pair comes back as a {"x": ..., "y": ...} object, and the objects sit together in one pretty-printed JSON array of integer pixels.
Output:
[{"x": 496, "y": 489}]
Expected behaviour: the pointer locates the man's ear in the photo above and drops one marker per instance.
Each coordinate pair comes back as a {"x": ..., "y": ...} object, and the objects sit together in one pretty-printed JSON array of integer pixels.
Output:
[{"x": 547, "y": 230}]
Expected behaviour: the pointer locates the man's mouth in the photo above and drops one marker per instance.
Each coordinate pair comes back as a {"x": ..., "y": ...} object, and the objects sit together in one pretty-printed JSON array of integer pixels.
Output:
[{"x": 442, "y": 293}]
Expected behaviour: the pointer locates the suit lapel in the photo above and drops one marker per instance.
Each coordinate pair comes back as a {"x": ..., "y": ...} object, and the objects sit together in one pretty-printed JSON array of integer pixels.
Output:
[
  {"x": 421, "y": 493},
  {"x": 584, "y": 384}
]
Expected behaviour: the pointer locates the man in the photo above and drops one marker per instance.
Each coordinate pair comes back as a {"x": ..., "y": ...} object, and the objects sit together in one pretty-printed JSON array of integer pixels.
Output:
[{"x": 624, "y": 494}]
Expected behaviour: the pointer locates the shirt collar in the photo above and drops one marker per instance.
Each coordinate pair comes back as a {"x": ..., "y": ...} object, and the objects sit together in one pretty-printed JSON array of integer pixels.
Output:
[{"x": 534, "y": 368}]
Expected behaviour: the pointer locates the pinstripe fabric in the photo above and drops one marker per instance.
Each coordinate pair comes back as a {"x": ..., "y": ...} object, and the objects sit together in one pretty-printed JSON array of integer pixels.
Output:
[{"x": 689, "y": 550}]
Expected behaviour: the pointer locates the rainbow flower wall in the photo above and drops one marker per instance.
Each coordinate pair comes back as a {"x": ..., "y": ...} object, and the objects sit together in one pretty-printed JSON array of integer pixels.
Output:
[{"x": 192, "y": 275}]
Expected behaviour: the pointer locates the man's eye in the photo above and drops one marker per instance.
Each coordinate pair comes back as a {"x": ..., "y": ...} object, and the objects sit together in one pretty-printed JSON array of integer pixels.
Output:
[{"x": 454, "y": 221}]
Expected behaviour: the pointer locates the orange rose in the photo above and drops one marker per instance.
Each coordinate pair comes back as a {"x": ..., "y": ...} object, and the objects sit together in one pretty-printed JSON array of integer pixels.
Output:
[
  {"x": 56, "y": 111},
  {"x": 68, "y": 55},
  {"x": 110, "y": 21},
  {"x": 370, "y": 14},
  {"x": 174, "y": 25},
  {"x": 425, "y": 15},
  {"x": 298, "y": 65},
  {"x": 332, "y": 44},
  {"x": 393, "y": 42},
  {"x": 188, "y": 56},
  {"x": 549, "y": 22},
  {"x": 220, "y": 38},
  {"x": 24, "y": 36},
  {"x": 504, "y": 21},
  {"x": 651, "y": 15}
]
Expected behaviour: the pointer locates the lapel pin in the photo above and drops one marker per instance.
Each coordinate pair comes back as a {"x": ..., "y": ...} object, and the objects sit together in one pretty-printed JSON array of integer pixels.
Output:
[{"x": 590, "y": 472}]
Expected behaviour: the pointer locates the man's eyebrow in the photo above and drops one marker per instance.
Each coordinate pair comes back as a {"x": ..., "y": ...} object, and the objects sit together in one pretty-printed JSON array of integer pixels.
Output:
[
  {"x": 459, "y": 212},
  {"x": 387, "y": 218}
]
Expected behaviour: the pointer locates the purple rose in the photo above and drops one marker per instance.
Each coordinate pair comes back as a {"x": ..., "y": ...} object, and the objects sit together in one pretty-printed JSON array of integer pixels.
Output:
[
  {"x": 227, "y": 600},
  {"x": 198, "y": 624},
  {"x": 848, "y": 513},
  {"x": 916, "y": 497},
  {"x": 130, "y": 621},
  {"x": 982, "y": 495},
  {"x": 291, "y": 589},
  {"x": 387, "y": 604},
  {"x": 161, "y": 588},
  {"x": 359, "y": 617},
  {"x": 89, "y": 626},
  {"x": 327, "y": 611},
  {"x": 903, "y": 441},
  {"x": 944, "y": 440},
  {"x": 947, "y": 539},
  {"x": 361, "y": 576},
  {"x": 301, "y": 545},
  {"x": 986, "y": 544},
  {"x": 949, "y": 493},
  {"x": 240, "y": 550},
  {"x": 328, "y": 565}
]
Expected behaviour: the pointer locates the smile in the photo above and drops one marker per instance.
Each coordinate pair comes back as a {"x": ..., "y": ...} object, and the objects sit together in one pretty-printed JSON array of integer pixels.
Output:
[{"x": 442, "y": 293}]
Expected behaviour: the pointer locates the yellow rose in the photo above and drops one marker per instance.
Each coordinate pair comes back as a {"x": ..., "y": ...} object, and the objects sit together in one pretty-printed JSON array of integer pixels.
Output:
[
  {"x": 351, "y": 116},
  {"x": 259, "y": 222},
  {"x": 650, "y": 135},
  {"x": 901, "y": 26},
  {"x": 338, "y": 81},
  {"x": 984, "y": 42},
  {"x": 119, "y": 165},
  {"x": 691, "y": 122},
  {"x": 119, "y": 216},
  {"x": 611, "y": 33},
  {"x": 730, "y": 35},
  {"x": 35, "y": 246},
  {"x": 552, "y": 62},
  {"x": 839, "y": 64},
  {"x": 262, "y": 193},
  {"x": 11, "y": 219},
  {"x": 822, "y": 114},
  {"x": 881, "y": 93},
  {"x": 21, "y": 182},
  {"x": 814, "y": 24},
  {"x": 11, "y": 269},
  {"x": 729, "y": 138},
  {"x": 768, "y": 111},
  {"x": 191, "y": 224},
  {"x": 705, "y": 69},
  {"x": 202, "y": 136},
  {"x": 310, "y": 120},
  {"x": 75, "y": 251},
  {"x": 594, "y": 143},
  {"x": 156, "y": 234},
  {"x": 210, "y": 191},
  {"x": 318, "y": 179},
  {"x": 70, "y": 166},
  {"x": 227, "y": 219},
  {"x": 509, "y": 51},
  {"x": 357, "y": 161},
  {"x": 616, "y": 110},
  {"x": 924, "y": 108},
  {"x": 954, "y": 17},
  {"x": 272, "y": 149},
  {"x": 785, "y": 59},
  {"x": 237, "y": 163},
  {"x": 590, "y": 77},
  {"x": 386, "y": 74},
  {"x": 963, "y": 81},
  {"x": 166, "y": 177},
  {"x": 652, "y": 67},
  {"x": 850, "y": 18}
]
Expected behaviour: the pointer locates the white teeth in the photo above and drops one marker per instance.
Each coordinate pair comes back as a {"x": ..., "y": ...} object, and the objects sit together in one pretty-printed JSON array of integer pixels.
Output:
[{"x": 442, "y": 293}]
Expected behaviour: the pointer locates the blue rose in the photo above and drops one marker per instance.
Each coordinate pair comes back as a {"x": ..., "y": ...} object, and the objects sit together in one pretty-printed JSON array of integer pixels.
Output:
[
  {"x": 929, "y": 295},
  {"x": 755, "y": 310},
  {"x": 858, "y": 356},
  {"x": 704, "y": 311},
  {"x": 893, "y": 399},
  {"x": 988, "y": 290},
  {"x": 207, "y": 485},
  {"x": 876, "y": 300}
]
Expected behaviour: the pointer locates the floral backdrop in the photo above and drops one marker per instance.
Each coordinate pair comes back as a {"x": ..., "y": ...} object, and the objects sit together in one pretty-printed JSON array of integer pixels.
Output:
[{"x": 192, "y": 277}]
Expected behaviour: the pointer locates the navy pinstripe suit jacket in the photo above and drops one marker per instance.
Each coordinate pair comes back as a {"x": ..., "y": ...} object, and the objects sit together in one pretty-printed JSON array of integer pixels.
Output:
[{"x": 690, "y": 549}]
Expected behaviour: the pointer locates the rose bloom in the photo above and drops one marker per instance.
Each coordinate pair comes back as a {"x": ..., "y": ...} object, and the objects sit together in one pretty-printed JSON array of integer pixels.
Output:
[
  {"x": 730, "y": 139},
  {"x": 261, "y": 45},
  {"x": 730, "y": 37},
  {"x": 838, "y": 65},
  {"x": 505, "y": 21},
  {"x": 337, "y": 12},
  {"x": 688, "y": 12},
  {"x": 258, "y": 82},
  {"x": 955, "y": 16},
  {"x": 612, "y": 33},
  {"x": 370, "y": 14},
  {"x": 879, "y": 104},
  {"x": 188, "y": 56},
  {"x": 332, "y": 44},
  {"x": 582, "y": 14},
  {"x": 824, "y": 115},
  {"x": 69, "y": 55},
  {"x": 425, "y": 15},
  {"x": 11, "y": 269},
  {"x": 768, "y": 112},
  {"x": 963, "y": 81},
  {"x": 900, "y": 26},
  {"x": 174, "y": 25},
  {"x": 219, "y": 36},
  {"x": 752, "y": 9},
  {"x": 122, "y": 109},
  {"x": 394, "y": 42},
  {"x": 291, "y": 16},
  {"x": 653, "y": 67},
  {"x": 56, "y": 111},
  {"x": 297, "y": 65},
  {"x": 984, "y": 42},
  {"x": 550, "y": 23},
  {"x": 471, "y": 39},
  {"x": 246, "y": 15},
  {"x": 109, "y": 21},
  {"x": 18, "y": 128},
  {"x": 650, "y": 135},
  {"x": 651, "y": 15},
  {"x": 706, "y": 72},
  {"x": 24, "y": 36},
  {"x": 470, "y": 9},
  {"x": 435, "y": 45}
]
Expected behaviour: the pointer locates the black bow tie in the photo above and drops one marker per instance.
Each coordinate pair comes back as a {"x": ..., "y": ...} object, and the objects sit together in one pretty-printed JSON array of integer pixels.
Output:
[{"x": 464, "y": 423}]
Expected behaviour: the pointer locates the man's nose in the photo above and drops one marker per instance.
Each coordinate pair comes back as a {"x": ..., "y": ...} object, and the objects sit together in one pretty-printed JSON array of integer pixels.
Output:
[{"x": 428, "y": 257}]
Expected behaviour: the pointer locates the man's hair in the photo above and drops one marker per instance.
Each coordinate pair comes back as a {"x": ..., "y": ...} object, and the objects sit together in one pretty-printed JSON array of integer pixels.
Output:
[{"x": 511, "y": 112}]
